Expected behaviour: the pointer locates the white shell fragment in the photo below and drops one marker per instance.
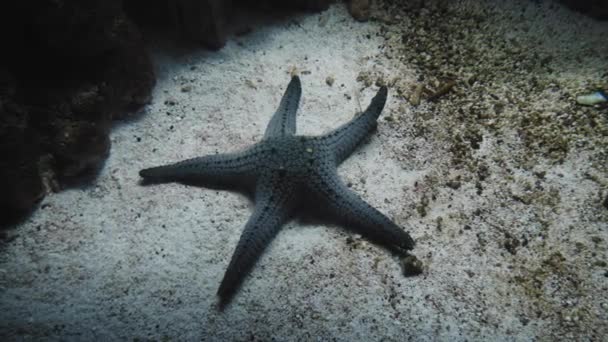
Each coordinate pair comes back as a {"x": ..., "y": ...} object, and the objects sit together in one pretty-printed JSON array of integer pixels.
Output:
[{"x": 592, "y": 99}]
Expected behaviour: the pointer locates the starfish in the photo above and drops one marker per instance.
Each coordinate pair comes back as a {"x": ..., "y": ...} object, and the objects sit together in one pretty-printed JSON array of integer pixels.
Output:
[{"x": 287, "y": 173}]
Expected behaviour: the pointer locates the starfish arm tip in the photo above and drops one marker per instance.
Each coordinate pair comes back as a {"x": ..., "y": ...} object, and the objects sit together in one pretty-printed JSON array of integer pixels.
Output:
[
  {"x": 146, "y": 173},
  {"x": 283, "y": 122},
  {"x": 379, "y": 100},
  {"x": 156, "y": 173}
]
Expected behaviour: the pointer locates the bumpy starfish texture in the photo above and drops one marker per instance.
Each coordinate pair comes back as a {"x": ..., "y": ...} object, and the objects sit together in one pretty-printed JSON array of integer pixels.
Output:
[{"x": 287, "y": 172}]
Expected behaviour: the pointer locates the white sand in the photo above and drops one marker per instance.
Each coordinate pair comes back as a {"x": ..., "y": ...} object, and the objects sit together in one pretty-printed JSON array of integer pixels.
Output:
[{"x": 118, "y": 260}]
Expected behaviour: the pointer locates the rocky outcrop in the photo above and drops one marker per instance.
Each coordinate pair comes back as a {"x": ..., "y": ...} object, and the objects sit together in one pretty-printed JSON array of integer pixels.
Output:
[
  {"x": 201, "y": 21},
  {"x": 594, "y": 8},
  {"x": 207, "y": 22},
  {"x": 359, "y": 9},
  {"x": 68, "y": 69}
]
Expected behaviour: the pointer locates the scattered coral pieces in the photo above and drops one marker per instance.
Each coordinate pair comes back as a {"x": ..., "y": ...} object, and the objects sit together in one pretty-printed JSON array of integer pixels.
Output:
[
  {"x": 415, "y": 97},
  {"x": 443, "y": 89}
]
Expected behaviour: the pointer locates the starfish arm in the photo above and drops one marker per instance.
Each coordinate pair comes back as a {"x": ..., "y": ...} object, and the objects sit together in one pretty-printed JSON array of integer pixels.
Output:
[
  {"x": 347, "y": 137},
  {"x": 212, "y": 169},
  {"x": 283, "y": 121},
  {"x": 358, "y": 214},
  {"x": 272, "y": 209}
]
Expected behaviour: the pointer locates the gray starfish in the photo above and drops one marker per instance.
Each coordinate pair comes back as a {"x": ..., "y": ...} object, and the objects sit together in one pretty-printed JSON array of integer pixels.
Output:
[{"x": 288, "y": 172}]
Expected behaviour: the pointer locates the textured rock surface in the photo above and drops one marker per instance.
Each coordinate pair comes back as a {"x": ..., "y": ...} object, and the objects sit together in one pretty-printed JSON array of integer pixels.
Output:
[
  {"x": 57, "y": 110},
  {"x": 359, "y": 9},
  {"x": 209, "y": 23},
  {"x": 202, "y": 21},
  {"x": 68, "y": 69},
  {"x": 594, "y": 8}
]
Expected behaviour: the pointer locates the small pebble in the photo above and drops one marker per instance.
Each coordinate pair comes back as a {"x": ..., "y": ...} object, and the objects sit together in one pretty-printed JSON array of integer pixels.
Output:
[
  {"x": 411, "y": 266},
  {"x": 250, "y": 84},
  {"x": 454, "y": 184},
  {"x": 592, "y": 99}
]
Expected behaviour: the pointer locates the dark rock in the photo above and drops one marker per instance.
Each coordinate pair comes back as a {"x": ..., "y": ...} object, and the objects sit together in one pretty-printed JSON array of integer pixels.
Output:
[
  {"x": 20, "y": 182},
  {"x": 594, "y": 8},
  {"x": 68, "y": 69},
  {"x": 511, "y": 243},
  {"x": 208, "y": 22},
  {"x": 359, "y": 9},
  {"x": 306, "y": 5},
  {"x": 202, "y": 20},
  {"x": 149, "y": 13},
  {"x": 310, "y": 5},
  {"x": 411, "y": 266}
]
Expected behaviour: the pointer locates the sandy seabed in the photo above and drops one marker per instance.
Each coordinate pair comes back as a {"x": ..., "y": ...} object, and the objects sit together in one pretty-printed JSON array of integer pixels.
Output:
[{"x": 502, "y": 181}]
